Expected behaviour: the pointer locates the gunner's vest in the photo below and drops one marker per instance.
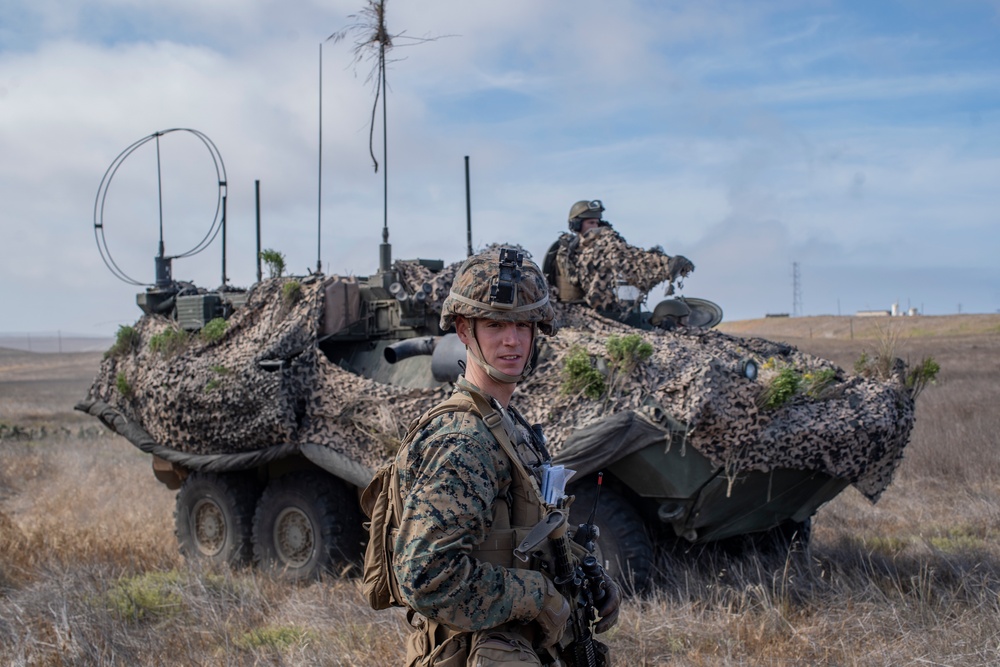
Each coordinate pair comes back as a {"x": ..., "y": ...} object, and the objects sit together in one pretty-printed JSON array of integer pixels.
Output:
[
  {"x": 569, "y": 290},
  {"x": 560, "y": 271}
]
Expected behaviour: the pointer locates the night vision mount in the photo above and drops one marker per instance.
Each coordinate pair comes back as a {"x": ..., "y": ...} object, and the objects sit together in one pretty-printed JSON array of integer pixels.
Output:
[{"x": 503, "y": 291}]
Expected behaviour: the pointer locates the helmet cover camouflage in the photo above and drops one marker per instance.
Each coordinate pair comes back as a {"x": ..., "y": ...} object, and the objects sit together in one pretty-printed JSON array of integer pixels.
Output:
[{"x": 504, "y": 286}]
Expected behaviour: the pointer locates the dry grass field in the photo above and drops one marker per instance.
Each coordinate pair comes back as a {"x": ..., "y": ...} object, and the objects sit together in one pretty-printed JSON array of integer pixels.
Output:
[{"x": 90, "y": 574}]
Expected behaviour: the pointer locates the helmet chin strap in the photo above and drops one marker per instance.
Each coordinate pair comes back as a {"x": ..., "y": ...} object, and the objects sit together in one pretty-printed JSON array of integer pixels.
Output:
[{"x": 476, "y": 355}]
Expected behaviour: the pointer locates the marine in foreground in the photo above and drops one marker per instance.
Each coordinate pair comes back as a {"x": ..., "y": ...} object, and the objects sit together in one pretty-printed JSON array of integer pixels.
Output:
[{"x": 475, "y": 550}]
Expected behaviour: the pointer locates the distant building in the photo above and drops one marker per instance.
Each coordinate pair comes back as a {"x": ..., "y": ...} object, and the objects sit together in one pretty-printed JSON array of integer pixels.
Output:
[
  {"x": 776, "y": 315},
  {"x": 895, "y": 311}
]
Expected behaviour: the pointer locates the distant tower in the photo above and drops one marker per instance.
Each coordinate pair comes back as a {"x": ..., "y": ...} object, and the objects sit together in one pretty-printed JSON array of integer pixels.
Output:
[{"x": 796, "y": 290}]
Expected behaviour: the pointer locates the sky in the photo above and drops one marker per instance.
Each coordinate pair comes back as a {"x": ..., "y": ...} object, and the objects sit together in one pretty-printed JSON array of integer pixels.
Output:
[{"x": 855, "y": 144}]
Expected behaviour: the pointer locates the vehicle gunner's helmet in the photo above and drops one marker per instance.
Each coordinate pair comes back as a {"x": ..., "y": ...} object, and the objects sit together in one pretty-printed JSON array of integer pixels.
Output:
[{"x": 584, "y": 210}]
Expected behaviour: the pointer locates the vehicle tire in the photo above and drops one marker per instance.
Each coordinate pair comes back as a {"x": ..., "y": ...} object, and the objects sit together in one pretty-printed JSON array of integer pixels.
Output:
[
  {"x": 307, "y": 523},
  {"x": 213, "y": 517},
  {"x": 624, "y": 547}
]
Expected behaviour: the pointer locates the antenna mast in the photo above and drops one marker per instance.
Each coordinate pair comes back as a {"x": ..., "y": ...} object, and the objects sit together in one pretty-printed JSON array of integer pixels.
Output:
[
  {"x": 385, "y": 254},
  {"x": 161, "y": 261},
  {"x": 319, "y": 188},
  {"x": 468, "y": 210},
  {"x": 796, "y": 291}
]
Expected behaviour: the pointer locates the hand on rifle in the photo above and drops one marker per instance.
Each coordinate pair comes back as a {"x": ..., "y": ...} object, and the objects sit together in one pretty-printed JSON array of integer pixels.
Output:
[
  {"x": 607, "y": 604},
  {"x": 604, "y": 593},
  {"x": 553, "y": 616}
]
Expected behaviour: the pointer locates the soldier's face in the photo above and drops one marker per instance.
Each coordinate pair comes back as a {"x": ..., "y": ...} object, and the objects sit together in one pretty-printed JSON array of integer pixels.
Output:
[
  {"x": 505, "y": 345},
  {"x": 588, "y": 224}
]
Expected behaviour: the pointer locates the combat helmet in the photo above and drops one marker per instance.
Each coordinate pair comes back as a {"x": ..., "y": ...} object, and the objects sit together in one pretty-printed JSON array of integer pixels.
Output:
[
  {"x": 502, "y": 285},
  {"x": 584, "y": 210}
]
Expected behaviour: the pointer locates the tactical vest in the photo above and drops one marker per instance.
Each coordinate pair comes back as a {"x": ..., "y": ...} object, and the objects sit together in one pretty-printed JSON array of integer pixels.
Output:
[
  {"x": 566, "y": 280},
  {"x": 514, "y": 514},
  {"x": 512, "y": 519},
  {"x": 523, "y": 507}
]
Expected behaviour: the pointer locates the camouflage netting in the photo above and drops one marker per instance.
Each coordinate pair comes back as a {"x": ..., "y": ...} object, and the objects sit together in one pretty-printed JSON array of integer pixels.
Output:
[
  {"x": 361, "y": 418},
  {"x": 211, "y": 398},
  {"x": 265, "y": 389},
  {"x": 601, "y": 260},
  {"x": 855, "y": 428}
]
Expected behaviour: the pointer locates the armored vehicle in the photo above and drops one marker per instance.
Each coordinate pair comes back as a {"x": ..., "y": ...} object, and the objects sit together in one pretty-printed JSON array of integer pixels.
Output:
[{"x": 269, "y": 410}]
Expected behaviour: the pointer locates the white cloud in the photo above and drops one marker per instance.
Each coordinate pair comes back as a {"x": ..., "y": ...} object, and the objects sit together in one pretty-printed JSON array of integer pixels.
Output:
[{"x": 745, "y": 137}]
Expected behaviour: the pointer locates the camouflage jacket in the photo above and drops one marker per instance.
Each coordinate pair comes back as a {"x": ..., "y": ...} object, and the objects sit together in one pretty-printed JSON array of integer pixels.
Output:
[
  {"x": 452, "y": 476},
  {"x": 598, "y": 262}
]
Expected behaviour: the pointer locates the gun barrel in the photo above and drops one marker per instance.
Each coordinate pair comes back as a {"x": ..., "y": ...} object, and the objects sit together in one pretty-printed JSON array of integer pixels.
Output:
[{"x": 411, "y": 347}]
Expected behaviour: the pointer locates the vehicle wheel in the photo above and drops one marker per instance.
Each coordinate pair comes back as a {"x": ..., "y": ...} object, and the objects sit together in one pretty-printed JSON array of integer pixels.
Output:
[
  {"x": 306, "y": 523},
  {"x": 623, "y": 548},
  {"x": 213, "y": 517}
]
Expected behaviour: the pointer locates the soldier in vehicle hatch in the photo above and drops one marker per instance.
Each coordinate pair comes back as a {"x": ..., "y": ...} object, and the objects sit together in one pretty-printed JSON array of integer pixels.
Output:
[
  {"x": 469, "y": 472},
  {"x": 594, "y": 265}
]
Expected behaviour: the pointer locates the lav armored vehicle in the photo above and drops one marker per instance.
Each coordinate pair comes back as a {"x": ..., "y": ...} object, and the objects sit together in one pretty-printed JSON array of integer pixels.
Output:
[{"x": 269, "y": 409}]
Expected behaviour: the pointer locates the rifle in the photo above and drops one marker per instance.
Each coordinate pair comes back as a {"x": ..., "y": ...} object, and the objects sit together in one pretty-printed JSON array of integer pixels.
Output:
[{"x": 580, "y": 582}]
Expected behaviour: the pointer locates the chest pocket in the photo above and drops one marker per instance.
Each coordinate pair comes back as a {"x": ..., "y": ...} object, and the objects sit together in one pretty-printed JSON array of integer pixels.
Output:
[{"x": 513, "y": 519}]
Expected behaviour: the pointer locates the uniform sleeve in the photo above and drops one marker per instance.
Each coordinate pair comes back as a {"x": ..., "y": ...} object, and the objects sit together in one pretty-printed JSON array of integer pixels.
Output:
[
  {"x": 604, "y": 257},
  {"x": 453, "y": 481}
]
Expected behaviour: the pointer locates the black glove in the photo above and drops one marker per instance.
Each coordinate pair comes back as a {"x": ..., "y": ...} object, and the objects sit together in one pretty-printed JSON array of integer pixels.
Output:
[
  {"x": 607, "y": 606},
  {"x": 679, "y": 265}
]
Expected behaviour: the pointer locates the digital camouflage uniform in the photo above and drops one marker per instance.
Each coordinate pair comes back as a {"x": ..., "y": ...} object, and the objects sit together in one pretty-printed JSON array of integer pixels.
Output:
[
  {"x": 469, "y": 482},
  {"x": 453, "y": 475}
]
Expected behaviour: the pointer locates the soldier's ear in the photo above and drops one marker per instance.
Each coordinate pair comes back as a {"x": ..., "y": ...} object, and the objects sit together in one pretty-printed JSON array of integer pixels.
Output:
[{"x": 463, "y": 327}]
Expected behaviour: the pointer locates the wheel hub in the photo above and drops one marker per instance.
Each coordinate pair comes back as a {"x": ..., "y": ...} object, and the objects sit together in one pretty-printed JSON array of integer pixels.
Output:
[
  {"x": 293, "y": 537},
  {"x": 209, "y": 527}
]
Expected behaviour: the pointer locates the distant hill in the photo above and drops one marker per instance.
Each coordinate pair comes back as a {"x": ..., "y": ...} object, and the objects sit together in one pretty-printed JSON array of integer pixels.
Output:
[{"x": 849, "y": 327}]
